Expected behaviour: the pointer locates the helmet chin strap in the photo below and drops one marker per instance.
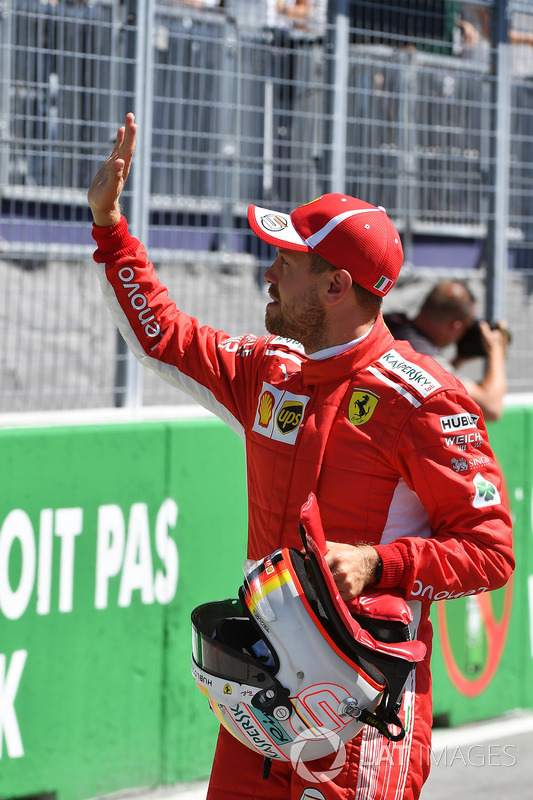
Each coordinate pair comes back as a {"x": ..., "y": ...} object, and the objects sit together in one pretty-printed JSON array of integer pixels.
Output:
[
  {"x": 372, "y": 719},
  {"x": 350, "y": 708}
]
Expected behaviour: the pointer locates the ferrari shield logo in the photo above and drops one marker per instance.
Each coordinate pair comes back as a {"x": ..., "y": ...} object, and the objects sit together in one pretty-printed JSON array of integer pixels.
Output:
[{"x": 362, "y": 406}]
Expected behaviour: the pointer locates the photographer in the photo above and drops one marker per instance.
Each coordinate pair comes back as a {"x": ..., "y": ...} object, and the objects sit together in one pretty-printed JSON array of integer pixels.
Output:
[{"x": 447, "y": 317}]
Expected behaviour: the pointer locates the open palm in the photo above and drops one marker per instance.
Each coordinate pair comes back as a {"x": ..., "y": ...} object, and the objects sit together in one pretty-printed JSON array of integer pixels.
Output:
[{"x": 107, "y": 184}]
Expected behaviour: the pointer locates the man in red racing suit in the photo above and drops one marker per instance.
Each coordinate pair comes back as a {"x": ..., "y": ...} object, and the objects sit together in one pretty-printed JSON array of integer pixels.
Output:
[{"x": 390, "y": 443}]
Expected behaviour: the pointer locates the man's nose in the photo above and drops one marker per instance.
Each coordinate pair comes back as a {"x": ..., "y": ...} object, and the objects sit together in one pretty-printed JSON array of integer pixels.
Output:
[{"x": 270, "y": 273}]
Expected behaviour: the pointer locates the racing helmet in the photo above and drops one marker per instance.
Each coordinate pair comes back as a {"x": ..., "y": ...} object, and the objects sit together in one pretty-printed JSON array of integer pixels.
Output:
[{"x": 289, "y": 668}]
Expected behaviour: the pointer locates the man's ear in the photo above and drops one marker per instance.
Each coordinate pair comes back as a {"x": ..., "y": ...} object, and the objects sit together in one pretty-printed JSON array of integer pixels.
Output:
[
  {"x": 457, "y": 327},
  {"x": 340, "y": 284}
]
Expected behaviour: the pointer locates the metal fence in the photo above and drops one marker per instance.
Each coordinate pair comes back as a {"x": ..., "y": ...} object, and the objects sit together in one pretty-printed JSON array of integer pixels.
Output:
[{"x": 402, "y": 104}]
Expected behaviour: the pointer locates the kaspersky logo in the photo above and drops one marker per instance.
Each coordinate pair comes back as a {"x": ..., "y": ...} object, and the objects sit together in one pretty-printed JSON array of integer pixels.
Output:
[{"x": 424, "y": 383}]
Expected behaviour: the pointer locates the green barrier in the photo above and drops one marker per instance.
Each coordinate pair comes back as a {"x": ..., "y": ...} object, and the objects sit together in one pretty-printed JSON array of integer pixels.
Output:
[
  {"x": 109, "y": 536},
  {"x": 482, "y": 659}
]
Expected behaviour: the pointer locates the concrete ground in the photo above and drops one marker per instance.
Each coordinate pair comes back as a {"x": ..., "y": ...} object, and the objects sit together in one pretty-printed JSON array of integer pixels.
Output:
[{"x": 479, "y": 761}]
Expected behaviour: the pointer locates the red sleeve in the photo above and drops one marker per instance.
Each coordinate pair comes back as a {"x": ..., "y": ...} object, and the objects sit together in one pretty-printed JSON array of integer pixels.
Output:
[
  {"x": 444, "y": 456},
  {"x": 199, "y": 360}
]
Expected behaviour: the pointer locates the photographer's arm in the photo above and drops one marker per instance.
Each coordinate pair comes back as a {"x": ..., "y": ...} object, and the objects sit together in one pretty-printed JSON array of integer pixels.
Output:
[{"x": 490, "y": 391}]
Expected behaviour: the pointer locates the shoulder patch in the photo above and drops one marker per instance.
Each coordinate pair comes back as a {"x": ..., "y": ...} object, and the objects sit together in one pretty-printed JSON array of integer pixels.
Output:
[
  {"x": 486, "y": 493},
  {"x": 421, "y": 381}
]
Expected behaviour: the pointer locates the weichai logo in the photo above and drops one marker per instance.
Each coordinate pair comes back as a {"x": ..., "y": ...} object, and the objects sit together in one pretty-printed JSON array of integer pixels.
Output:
[{"x": 289, "y": 416}]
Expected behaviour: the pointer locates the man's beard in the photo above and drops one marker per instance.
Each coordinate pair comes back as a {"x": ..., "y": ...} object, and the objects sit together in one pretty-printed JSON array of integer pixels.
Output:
[{"x": 303, "y": 319}]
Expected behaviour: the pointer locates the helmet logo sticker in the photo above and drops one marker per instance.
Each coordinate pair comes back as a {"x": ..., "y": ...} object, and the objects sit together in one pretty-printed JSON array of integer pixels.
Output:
[
  {"x": 227, "y": 689},
  {"x": 258, "y": 730},
  {"x": 269, "y": 566},
  {"x": 277, "y": 732},
  {"x": 362, "y": 405}
]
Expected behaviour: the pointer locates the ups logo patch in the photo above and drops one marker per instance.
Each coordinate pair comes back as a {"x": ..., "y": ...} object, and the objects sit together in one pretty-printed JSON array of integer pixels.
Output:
[
  {"x": 362, "y": 405},
  {"x": 289, "y": 416},
  {"x": 279, "y": 414}
]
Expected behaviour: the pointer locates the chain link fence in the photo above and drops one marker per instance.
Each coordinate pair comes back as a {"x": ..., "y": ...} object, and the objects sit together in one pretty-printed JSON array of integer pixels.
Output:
[{"x": 423, "y": 106}]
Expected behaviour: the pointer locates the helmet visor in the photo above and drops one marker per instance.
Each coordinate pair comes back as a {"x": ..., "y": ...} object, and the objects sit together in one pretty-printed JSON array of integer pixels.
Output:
[{"x": 227, "y": 644}]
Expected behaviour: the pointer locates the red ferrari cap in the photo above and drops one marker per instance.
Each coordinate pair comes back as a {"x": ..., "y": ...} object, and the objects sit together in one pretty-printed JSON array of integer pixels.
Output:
[{"x": 349, "y": 233}]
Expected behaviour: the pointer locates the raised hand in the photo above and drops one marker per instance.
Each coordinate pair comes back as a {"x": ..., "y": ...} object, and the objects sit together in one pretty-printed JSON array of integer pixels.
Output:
[{"x": 107, "y": 184}]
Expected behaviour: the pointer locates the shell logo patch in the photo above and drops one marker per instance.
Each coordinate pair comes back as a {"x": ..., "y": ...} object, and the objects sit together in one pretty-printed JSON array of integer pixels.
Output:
[
  {"x": 266, "y": 406},
  {"x": 362, "y": 405}
]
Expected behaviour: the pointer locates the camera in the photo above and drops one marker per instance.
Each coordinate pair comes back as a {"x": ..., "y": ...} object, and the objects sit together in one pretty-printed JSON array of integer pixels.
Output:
[{"x": 470, "y": 344}]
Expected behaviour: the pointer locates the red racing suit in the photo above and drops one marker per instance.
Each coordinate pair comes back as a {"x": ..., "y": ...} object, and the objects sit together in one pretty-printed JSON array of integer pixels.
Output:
[{"x": 395, "y": 451}]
